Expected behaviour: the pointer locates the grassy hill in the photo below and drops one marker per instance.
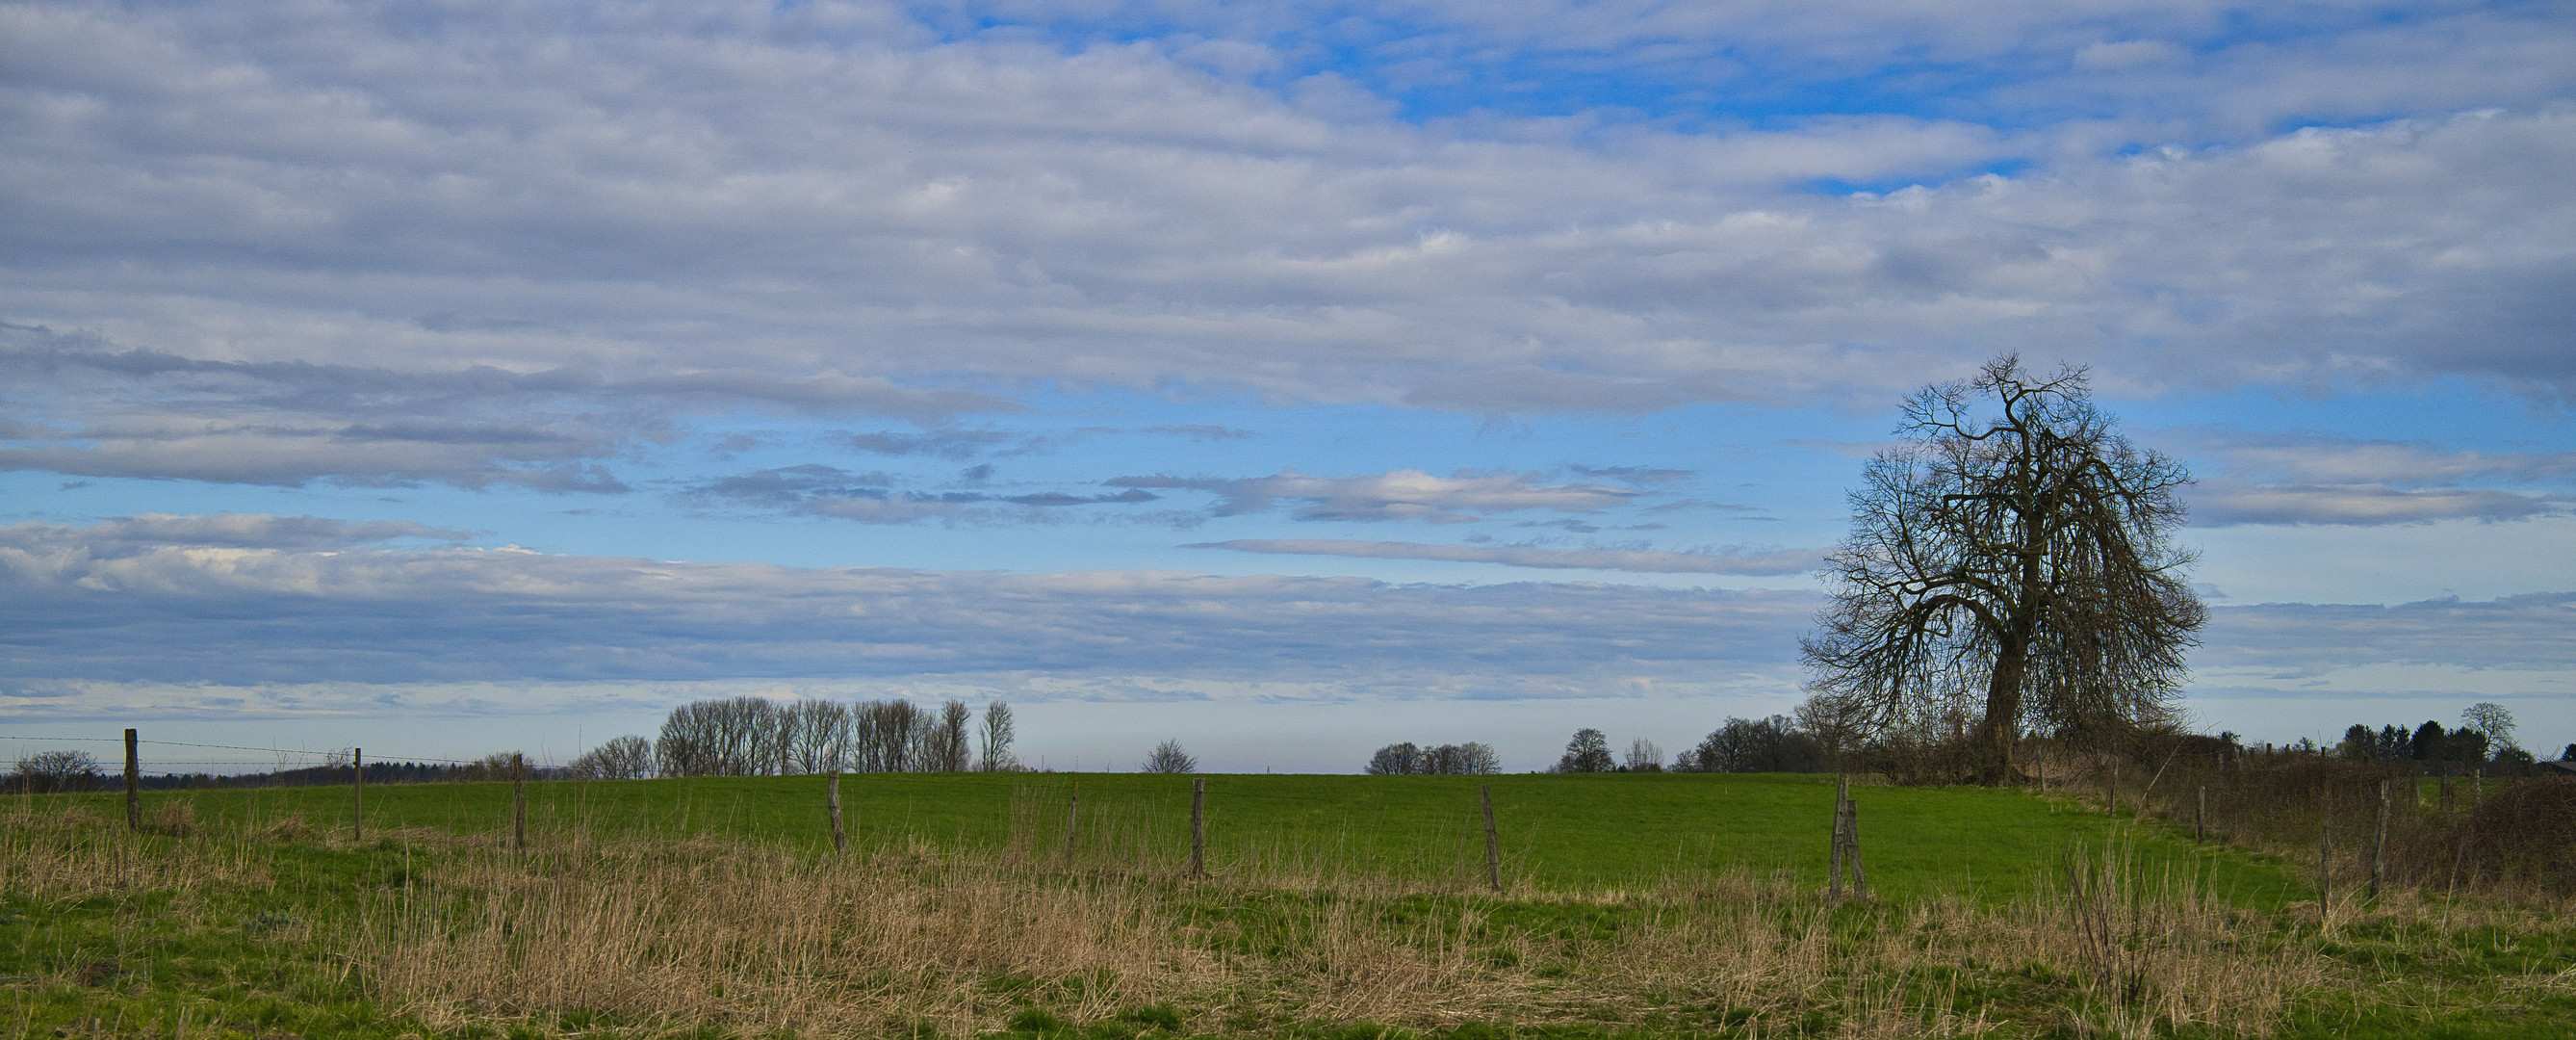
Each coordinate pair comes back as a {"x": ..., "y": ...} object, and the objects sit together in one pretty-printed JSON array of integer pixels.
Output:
[
  {"x": 1556, "y": 832},
  {"x": 1337, "y": 908}
]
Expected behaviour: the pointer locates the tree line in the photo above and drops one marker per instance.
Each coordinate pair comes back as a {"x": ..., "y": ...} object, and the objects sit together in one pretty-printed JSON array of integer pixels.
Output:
[
  {"x": 1410, "y": 759},
  {"x": 751, "y": 736}
]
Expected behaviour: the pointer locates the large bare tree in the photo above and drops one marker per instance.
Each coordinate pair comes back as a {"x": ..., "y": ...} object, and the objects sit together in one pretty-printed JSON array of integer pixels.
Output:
[{"x": 2011, "y": 568}]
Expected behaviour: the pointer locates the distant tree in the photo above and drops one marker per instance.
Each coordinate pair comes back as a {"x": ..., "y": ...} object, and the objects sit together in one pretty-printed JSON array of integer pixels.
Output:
[
  {"x": 1773, "y": 745},
  {"x": 625, "y": 758},
  {"x": 2427, "y": 744},
  {"x": 2022, "y": 564},
  {"x": 1643, "y": 757},
  {"x": 1467, "y": 759},
  {"x": 2360, "y": 744},
  {"x": 1168, "y": 757},
  {"x": 2491, "y": 719},
  {"x": 816, "y": 735},
  {"x": 950, "y": 749},
  {"x": 886, "y": 736},
  {"x": 2395, "y": 743},
  {"x": 1588, "y": 752},
  {"x": 2465, "y": 745},
  {"x": 58, "y": 772},
  {"x": 1403, "y": 759},
  {"x": 737, "y": 736},
  {"x": 997, "y": 739},
  {"x": 1475, "y": 759},
  {"x": 2568, "y": 755}
]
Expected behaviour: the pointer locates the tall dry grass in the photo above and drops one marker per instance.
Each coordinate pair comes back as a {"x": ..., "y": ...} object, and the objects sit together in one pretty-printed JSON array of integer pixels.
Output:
[{"x": 750, "y": 938}]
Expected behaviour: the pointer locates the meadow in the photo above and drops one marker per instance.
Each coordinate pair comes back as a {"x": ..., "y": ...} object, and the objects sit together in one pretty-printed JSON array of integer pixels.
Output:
[{"x": 1335, "y": 907}]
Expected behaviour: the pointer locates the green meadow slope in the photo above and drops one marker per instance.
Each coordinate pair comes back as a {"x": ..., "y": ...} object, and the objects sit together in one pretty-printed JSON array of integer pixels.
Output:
[
  {"x": 1646, "y": 907},
  {"x": 1557, "y": 833}
]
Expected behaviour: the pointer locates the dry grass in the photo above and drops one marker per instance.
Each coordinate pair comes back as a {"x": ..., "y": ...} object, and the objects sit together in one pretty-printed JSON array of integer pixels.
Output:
[
  {"x": 715, "y": 932},
  {"x": 671, "y": 936}
]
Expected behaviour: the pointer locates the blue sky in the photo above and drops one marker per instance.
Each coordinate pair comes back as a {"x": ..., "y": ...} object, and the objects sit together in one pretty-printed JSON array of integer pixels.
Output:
[{"x": 1290, "y": 379}]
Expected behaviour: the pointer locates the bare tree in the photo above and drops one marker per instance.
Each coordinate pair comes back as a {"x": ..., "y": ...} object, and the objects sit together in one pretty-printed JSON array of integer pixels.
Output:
[
  {"x": 886, "y": 736},
  {"x": 816, "y": 735},
  {"x": 2492, "y": 719},
  {"x": 950, "y": 747},
  {"x": 1476, "y": 759},
  {"x": 1470, "y": 758},
  {"x": 1167, "y": 757},
  {"x": 1402, "y": 759},
  {"x": 2021, "y": 564},
  {"x": 58, "y": 772},
  {"x": 1588, "y": 752},
  {"x": 997, "y": 738},
  {"x": 625, "y": 758},
  {"x": 738, "y": 736},
  {"x": 1643, "y": 757},
  {"x": 1772, "y": 745}
]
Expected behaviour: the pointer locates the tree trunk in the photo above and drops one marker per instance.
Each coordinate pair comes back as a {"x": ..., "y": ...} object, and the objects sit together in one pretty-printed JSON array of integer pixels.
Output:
[{"x": 1994, "y": 739}]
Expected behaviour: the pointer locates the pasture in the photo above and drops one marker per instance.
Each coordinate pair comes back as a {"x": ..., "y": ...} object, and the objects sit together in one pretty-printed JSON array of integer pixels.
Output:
[{"x": 1333, "y": 907}]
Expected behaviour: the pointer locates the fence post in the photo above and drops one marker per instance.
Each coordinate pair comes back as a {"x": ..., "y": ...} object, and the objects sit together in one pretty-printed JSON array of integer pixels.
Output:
[
  {"x": 518, "y": 800},
  {"x": 133, "y": 784},
  {"x": 1198, "y": 827},
  {"x": 2200, "y": 816},
  {"x": 2379, "y": 843},
  {"x": 1072, "y": 821},
  {"x": 2477, "y": 789},
  {"x": 832, "y": 794},
  {"x": 1493, "y": 845},
  {"x": 357, "y": 794},
  {"x": 2325, "y": 853},
  {"x": 1834, "y": 877},
  {"x": 2111, "y": 787},
  {"x": 1851, "y": 839}
]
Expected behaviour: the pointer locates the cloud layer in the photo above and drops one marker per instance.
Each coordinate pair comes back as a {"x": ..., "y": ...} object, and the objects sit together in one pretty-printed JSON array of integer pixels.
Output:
[
  {"x": 220, "y": 607},
  {"x": 249, "y": 600},
  {"x": 1645, "y": 561},
  {"x": 2310, "y": 479},
  {"x": 803, "y": 202}
]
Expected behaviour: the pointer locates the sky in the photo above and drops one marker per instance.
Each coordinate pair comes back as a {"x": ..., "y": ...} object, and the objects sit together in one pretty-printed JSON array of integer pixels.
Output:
[{"x": 1287, "y": 378}]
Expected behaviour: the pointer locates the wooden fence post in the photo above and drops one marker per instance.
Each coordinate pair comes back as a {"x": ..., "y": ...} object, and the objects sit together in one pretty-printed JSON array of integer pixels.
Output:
[
  {"x": 2111, "y": 787},
  {"x": 518, "y": 800},
  {"x": 2477, "y": 789},
  {"x": 2200, "y": 816},
  {"x": 2325, "y": 853},
  {"x": 1851, "y": 842},
  {"x": 1834, "y": 868},
  {"x": 1072, "y": 821},
  {"x": 1198, "y": 827},
  {"x": 357, "y": 794},
  {"x": 1493, "y": 844},
  {"x": 133, "y": 783},
  {"x": 2379, "y": 843},
  {"x": 832, "y": 794}
]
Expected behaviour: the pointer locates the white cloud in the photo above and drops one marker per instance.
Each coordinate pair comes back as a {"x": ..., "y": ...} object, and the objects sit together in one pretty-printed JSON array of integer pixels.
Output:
[
  {"x": 757, "y": 197},
  {"x": 2219, "y": 503},
  {"x": 1647, "y": 561},
  {"x": 2311, "y": 479},
  {"x": 98, "y": 604},
  {"x": 1404, "y": 494}
]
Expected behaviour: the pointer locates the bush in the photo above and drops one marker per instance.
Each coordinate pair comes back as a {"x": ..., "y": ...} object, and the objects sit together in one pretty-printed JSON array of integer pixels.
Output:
[{"x": 58, "y": 772}]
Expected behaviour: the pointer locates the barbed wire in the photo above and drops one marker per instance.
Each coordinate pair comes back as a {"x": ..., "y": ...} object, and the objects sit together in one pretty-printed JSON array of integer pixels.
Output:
[{"x": 341, "y": 754}]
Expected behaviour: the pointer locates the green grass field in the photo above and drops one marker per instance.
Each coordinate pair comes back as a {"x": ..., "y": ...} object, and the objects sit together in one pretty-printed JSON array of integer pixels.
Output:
[
  {"x": 1556, "y": 832},
  {"x": 1648, "y": 907}
]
